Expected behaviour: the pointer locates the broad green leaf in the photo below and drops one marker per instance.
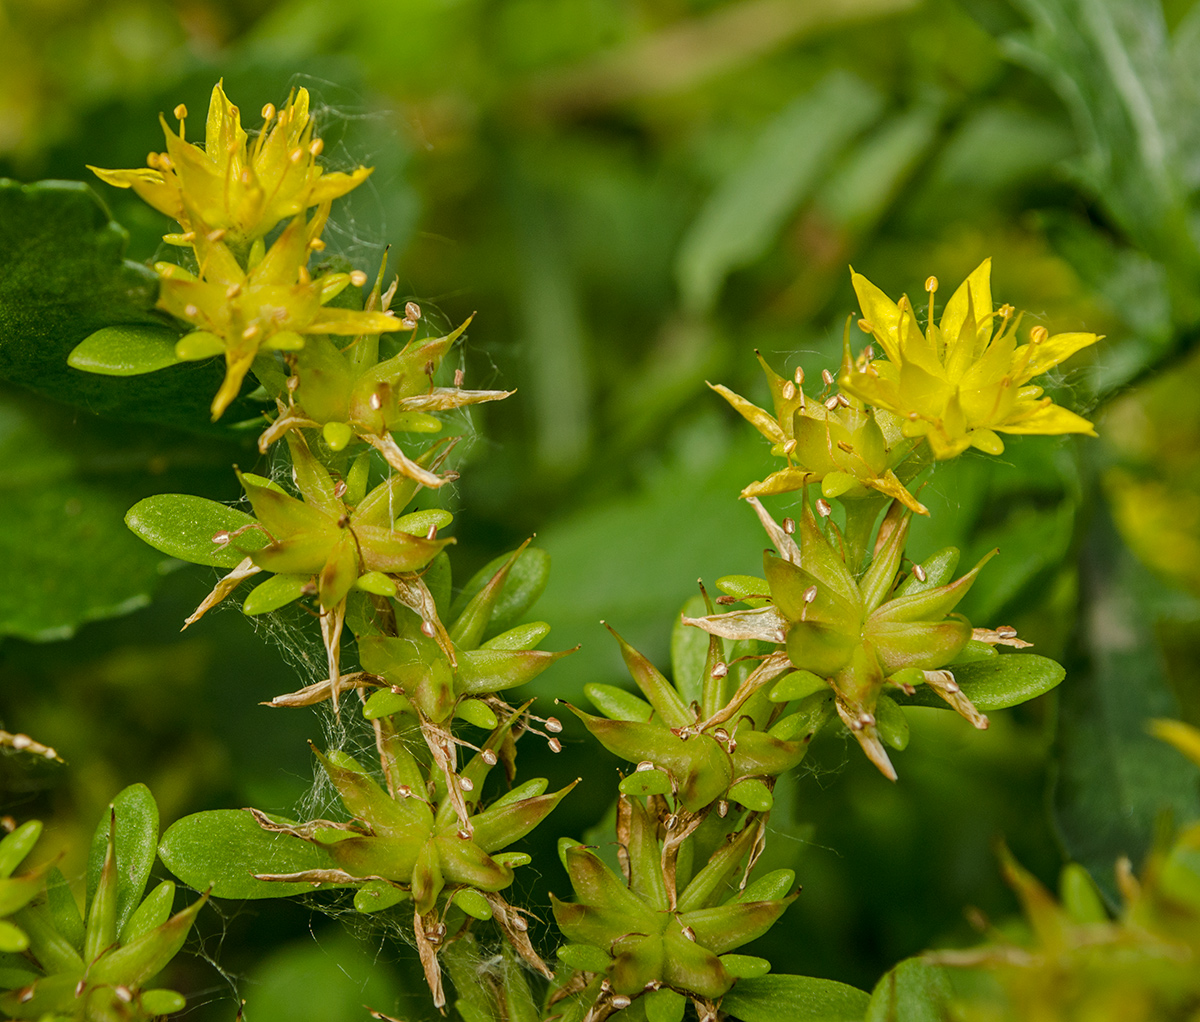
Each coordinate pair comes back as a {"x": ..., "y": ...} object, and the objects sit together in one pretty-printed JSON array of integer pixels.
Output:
[
  {"x": 183, "y": 526},
  {"x": 224, "y": 848},
  {"x": 912, "y": 992},
  {"x": 995, "y": 683},
  {"x": 277, "y": 591},
  {"x": 62, "y": 278},
  {"x": 136, "y": 839},
  {"x": 67, "y": 557},
  {"x": 125, "y": 351},
  {"x": 796, "y": 999},
  {"x": 749, "y": 208}
]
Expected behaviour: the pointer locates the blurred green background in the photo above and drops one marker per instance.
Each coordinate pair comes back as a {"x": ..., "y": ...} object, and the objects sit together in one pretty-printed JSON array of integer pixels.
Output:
[{"x": 635, "y": 195}]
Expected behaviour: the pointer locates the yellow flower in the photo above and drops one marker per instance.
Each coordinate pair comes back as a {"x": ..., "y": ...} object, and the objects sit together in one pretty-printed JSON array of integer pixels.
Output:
[
  {"x": 271, "y": 306},
  {"x": 230, "y": 185},
  {"x": 961, "y": 381}
]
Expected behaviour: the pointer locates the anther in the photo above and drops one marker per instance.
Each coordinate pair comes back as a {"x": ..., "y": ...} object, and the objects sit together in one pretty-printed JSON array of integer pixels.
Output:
[
  {"x": 621, "y": 1001},
  {"x": 789, "y": 526},
  {"x": 21, "y": 742},
  {"x": 221, "y": 536},
  {"x": 339, "y": 490},
  {"x": 832, "y": 402},
  {"x": 789, "y": 391},
  {"x": 789, "y": 446},
  {"x": 842, "y": 400},
  {"x": 233, "y": 291},
  {"x": 404, "y": 791},
  {"x": 720, "y": 669},
  {"x": 459, "y": 375},
  {"x": 671, "y": 821},
  {"x": 375, "y": 401},
  {"x": 721, "y": 735},
  {"x": 865, "y": 327},
  {"x": 466, "y": 784},
  {"x": 488, "y": 757},
  {"x": 464, "y": 835},
  {"x": 799, "y": 377},
  {"x": 1038, "y": 334},
  {"x": 427, "y": 629},
  {"x": 26, "y": 994},
  {"x": 689, "y": 933},
  {"x": 317, "y": 245},
  {"x": 722, "y": 809},
  {"x": 251, "y": 331},
  {"x": 869, "y": 353},
  {"x": 80, "y": 987},
  {"x": 296, "y": 155},
  {"x": 358, "y": 278},
  {"x": 1006, "y": 632},
  {"x": 318, "y": 145},
  {"x": 844, "y": 446},
  {"x": 268, "y": 112},
  {"x": 215, "y": 236},
  {"x": 408, "y": 324},
  {"x": 555, "y": 745},
  {"x": 931, "y": 284},
  {"x": 181, "y": 111},
  {"x": 124, "y": 994},
  {"x": 412, "y": 310},
  {"x": 164, "y": 162},
  {"x": 827, "y": 376},
  {"x": 432, "y": 533},
  {"x": 643, "y": 766},
  {"x": 823, "y": 508},
  {"x": 553, "y": 725},
  {"x": 810, "y": 594},
  {"x": 520, "y": 924},
  {"x": 920, "y": 573},
  {"x": 191, "y": 311}
]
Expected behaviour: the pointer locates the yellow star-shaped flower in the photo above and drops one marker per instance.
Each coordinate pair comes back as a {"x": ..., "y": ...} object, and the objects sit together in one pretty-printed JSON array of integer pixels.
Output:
[
  {"x": 271, "y": 306},
  {"x": 960, "y": 382},
  {"x": 231, "y": 185}
]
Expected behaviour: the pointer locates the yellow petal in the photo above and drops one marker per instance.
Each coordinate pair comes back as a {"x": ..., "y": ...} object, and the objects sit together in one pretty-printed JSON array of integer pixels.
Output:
[
  {"x": 889, "y": 485},
  {"x": 1047, "y": 420},
  {"x": 987, "y": 441},
  {"x": 880, "y": 311},
  {"x": 333, "y": 186},
  {"x": 979, "y": 286},
  {"x": 1050, "y": 353},
  {"x": 756, "y": 416},
  {"x": 347, "y": 322},
  {"x": 786, "y": 480},
  {"x": 236, "y": 367}
]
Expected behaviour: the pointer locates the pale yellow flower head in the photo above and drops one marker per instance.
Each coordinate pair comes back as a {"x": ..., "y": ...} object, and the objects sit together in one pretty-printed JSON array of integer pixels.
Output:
[
  {"x": 962, "y": 381},
  {"x": 271, "y": 306},
  {"x": 238, "y": 188}
]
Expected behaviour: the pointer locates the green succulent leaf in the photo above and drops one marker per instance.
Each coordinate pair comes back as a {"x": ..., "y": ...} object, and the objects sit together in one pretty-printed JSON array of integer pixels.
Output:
[
  {"x": 996, "y": 683},
  {"x": 128, "y": 350},
  {"x": 796, "y": 998},
  {"x": 135, "y": 816},
  {"x": 183, "y": 526},
  {"x": 224, "y": 848}
]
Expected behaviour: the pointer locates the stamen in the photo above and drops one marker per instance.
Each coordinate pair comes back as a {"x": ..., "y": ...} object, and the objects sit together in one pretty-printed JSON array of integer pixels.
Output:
[
  {"x": 823, "y": 507},
  {"x": 865, "y": 327},
  {"x": 358, "y": 278},
  {"x": 789, "y": 526},
  {"x": 1038, "y": 334},
  {"x": 720, "y": 669},
  {"x": 268, "y": 112},
  {"x": 180, "y": 112},
  {"x": 920, "y": 573},
  {"x": 555, "y": 745},
  {"x": 799, "y": 376},
  {"x": 317, "y": 147},
  {"x": 412, "y": 310},
  {"x": 789, "y": 391},
  {"x": 827, "y": 376}
]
